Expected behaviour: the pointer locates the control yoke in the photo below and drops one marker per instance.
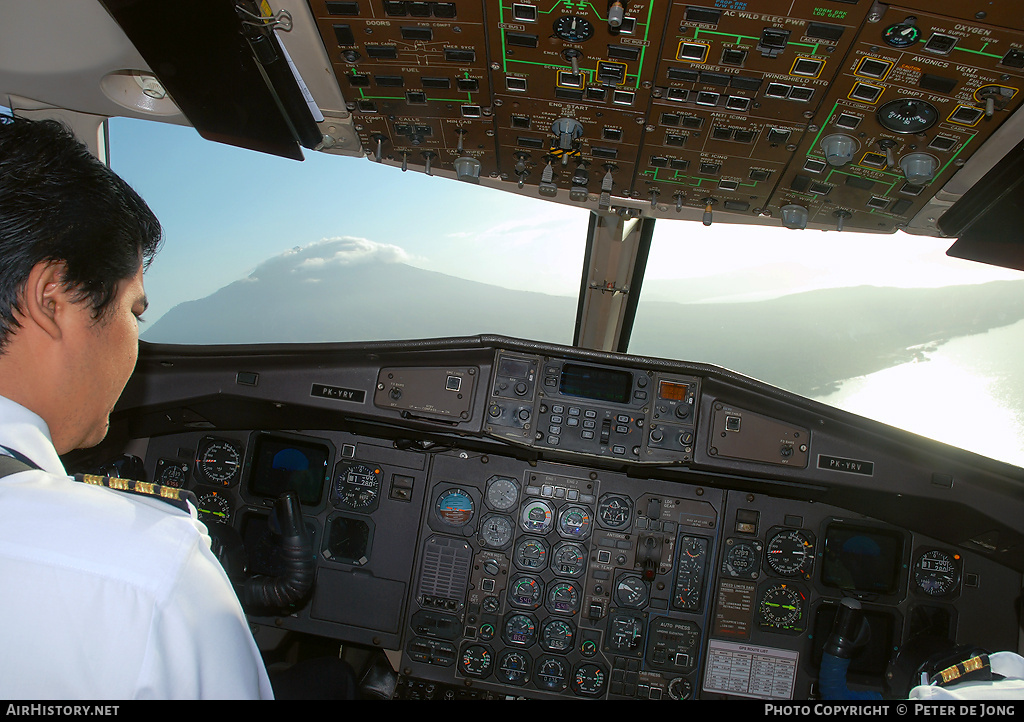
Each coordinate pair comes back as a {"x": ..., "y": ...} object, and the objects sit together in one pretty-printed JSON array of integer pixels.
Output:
[
  {"x": 850, "y": 633},
  {"x": 296, "y": 578},
  {"x": 294, "y": 552}
]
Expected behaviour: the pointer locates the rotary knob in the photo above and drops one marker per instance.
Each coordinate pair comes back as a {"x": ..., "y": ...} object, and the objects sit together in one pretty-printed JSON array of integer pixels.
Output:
[
  {"x": 839, "y": 149},
  {"x": 919, "y": 168}
]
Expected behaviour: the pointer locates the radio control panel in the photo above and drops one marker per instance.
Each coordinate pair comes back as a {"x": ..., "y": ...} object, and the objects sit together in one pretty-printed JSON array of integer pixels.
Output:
[{"x": 593, "y": 409}]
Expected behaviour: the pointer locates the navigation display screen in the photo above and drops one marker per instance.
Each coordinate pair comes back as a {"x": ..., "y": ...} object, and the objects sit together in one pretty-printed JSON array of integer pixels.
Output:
[
  {"x": 281, "y": 464},
  {"x": 862, "y": 559},
  {"x": 596, "y": 383}
]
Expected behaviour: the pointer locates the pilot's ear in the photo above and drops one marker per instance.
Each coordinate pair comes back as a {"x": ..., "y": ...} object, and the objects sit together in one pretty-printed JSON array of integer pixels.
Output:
[{"x": 45, "y": 296}]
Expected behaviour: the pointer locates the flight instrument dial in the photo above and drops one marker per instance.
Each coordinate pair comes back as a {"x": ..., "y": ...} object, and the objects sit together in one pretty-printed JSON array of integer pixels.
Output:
[
  {"x": 219, "y": 461},
  {"x": 213, "y": 506},
  {"x": 496, "y": 530},
  {"x": 357, "y": 486},
  {"x": 937, "y": 572},
  {"x": 790, "y": 553},
  {"x": 502, "y": 493},
  {"x": 781, "y": 608}
]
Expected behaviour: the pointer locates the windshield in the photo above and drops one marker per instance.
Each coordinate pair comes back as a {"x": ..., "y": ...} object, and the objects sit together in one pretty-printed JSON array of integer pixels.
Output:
[{"x": 261, "y": 249}]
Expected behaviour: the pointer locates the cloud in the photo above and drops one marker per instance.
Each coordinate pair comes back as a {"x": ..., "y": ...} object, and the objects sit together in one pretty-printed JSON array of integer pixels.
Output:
[{"x": 331, "y": 253}]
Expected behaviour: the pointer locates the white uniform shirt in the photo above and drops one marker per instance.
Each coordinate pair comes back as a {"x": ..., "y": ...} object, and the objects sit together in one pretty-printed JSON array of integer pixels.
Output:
[{"x": 108, "y": 595}]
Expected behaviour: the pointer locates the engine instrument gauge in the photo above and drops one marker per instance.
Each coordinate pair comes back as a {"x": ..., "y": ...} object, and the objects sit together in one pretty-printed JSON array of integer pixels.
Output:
[
  {"x": 525, "y": 592},
  {"x": 357, "y": 486},
  {"x": 790, "y": 553},
  {"x": 907, "y": 115},
  {"x": 569, "y": 559},
  {"x": 219, "y": 461},
  {"x": 937, "y": 573},
  {"x": 531, "y": 553},
  {"x": 781, "y": 608},
  {"x": 552, "y": 674},
  {"x": 520, "y": 630},
  {"x": 692, "y": 566},
  {"x": 502, "y": 493},
  {"x": 573, "y": 29},
  {"x": 557, "y": 635},
  {"x": 631, "y": 591},
  {"x": 213, "y": 506},
  {"x": 563, "y": 598},
  {"x": 625, "y": 633},
  {"x": 537, "y": 516},
  {"x": 574, "y": 522},
  {"x": 589, "y": 680},
  {"x": 513, "y": 667},
  {"x": 476, "y": 661},
  {"x": 454, "y": 507},
  {"x": 496, "y": 530}
]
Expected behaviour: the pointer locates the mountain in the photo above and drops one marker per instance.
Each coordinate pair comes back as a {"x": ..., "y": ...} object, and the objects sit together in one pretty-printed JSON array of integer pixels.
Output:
[
  {"x": 747, "y": 284},
  {"x": 808, "y": 342},
  {"x": 350, "y": 289}
]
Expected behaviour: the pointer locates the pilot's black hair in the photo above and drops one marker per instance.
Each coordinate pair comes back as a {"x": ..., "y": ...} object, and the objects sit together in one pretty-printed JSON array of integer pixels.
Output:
[{"x": 58, "y": 202}]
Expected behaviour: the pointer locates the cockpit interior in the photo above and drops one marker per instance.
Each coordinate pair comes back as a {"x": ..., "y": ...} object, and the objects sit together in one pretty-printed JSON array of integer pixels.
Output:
[{"x": 504, "y": 517}]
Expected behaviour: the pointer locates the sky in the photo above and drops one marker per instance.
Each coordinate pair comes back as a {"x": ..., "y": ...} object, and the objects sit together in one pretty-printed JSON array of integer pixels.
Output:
[{"x": 225, "y": 210}]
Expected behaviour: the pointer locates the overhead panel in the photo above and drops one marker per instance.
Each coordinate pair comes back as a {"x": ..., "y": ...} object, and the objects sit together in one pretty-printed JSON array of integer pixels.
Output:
[{"x": 838, "y": 114}]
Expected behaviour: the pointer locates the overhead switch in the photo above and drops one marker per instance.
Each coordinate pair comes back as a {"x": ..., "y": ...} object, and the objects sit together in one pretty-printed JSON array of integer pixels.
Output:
[
  {"x": 839, "y": 149},
  {"x": 919, "y": 168},
  {"x": 616, "y": 13},
  {"x": 568, "y": 131},
  {"x": 795, "y": 217},
  {"x": 467, "y": 169}
]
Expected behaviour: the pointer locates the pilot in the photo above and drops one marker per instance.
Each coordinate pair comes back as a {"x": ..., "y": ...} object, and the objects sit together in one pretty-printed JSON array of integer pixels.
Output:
[{"x": 104, "y": 594}]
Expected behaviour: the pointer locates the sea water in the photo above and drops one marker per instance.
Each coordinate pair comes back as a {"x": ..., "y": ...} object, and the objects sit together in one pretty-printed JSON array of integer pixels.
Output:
[{"x": 968, "y": 392}]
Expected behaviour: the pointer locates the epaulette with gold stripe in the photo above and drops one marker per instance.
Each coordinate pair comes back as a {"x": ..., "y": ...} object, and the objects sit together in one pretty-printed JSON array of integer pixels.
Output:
[
  {"x": 179, "y": 498},
  {"x": 974, "y": 668}
]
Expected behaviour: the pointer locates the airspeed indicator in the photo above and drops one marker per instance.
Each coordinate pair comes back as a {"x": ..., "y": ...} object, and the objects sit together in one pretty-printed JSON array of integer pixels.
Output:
[{"x": 219, "y": 461}]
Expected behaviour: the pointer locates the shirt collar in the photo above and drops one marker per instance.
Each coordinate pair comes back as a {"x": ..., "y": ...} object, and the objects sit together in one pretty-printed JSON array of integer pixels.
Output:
[{"x": 25, "y": 431}]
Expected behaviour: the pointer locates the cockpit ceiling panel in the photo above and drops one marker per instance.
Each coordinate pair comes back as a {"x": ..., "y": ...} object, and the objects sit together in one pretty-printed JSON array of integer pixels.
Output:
[{"x": 839, "y": 114}]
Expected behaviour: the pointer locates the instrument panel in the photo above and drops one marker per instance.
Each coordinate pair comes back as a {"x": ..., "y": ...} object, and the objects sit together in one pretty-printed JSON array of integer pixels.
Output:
[{"x": 499, "y": 558}]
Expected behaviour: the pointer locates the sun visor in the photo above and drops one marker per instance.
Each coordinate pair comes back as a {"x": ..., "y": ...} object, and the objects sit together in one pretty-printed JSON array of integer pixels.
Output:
[
  {"x": 224, "y": 67},
  {"x": 988, "y": 220}
]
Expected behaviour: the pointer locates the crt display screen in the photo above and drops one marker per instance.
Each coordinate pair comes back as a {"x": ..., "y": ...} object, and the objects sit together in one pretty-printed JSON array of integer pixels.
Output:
[
  {"x": 862, "y": 559},
  {"x": 596, "y": 383},
  {"x": 281, "y": 464}
]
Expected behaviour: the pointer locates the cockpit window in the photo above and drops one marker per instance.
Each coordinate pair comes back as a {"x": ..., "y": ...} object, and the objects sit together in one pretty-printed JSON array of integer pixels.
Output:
[
  {"x": 885, "y": 326},
  {"x": 261, "y": 249}
]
